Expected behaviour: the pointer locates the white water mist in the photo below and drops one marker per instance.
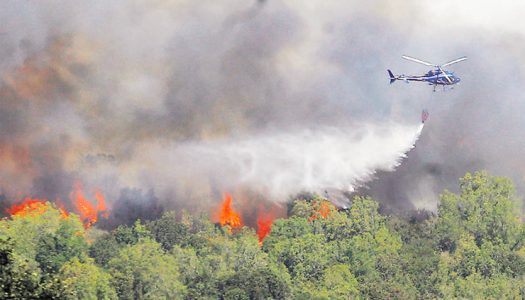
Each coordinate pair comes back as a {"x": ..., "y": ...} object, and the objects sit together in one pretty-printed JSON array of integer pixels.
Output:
[{"x": 281, "y": 164}]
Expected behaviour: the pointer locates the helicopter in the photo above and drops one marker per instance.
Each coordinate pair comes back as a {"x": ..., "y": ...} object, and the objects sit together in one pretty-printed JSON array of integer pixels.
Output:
[{"x": 433, "y": 77}]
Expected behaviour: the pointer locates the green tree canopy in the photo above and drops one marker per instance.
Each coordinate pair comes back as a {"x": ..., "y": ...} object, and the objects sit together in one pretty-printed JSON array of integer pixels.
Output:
[{"x": 144, "y": 271}]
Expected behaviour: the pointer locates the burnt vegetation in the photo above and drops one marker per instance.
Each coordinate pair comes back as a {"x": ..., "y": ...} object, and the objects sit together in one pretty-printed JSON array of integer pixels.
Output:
[{"x": 472, "y": 247}]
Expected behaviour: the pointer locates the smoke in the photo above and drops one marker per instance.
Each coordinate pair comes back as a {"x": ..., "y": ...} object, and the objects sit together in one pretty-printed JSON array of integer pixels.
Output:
[
  {"x": 187, "y": 98},
  {"x": 133, "y": 204}
]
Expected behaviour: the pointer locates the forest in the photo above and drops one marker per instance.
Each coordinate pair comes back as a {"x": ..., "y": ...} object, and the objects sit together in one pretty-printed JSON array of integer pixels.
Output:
[{"x": 471, "y": 247}]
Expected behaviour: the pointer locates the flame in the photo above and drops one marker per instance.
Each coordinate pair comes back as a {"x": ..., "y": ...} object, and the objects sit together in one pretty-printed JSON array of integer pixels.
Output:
[
  {"x": 87, "y": 212},
  {"x": 34, "y": 207},
  {"x": 323, "y": 211},
  {"x": 62, "y": 209},
  {"x": 264, "y": 225},
  {"x": 226, "y": 215},
  {"x": 101, "y": 204},
  {"x": 29, "y": 207}
]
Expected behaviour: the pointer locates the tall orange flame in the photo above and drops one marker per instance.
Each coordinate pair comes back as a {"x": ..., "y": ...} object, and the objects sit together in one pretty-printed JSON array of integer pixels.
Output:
[
  {"x": 264, "y": 225},
  {"x": 101, "y": 204},
  {"x": 29, "y": 207},
  {"x": 226, "y": 215},
  {"x": 87, "y": 212}
]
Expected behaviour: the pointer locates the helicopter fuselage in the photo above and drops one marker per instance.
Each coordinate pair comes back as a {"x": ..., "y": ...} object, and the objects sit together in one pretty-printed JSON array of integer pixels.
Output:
[{"x": 433, "y": 77}]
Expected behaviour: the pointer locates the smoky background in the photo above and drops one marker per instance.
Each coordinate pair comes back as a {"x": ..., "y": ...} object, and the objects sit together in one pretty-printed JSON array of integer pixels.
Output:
[{"x": 109, "y": 92}]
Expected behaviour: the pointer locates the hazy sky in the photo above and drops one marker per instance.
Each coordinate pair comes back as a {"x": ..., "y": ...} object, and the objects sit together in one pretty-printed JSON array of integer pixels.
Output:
[{"x": 495, "y": 16}]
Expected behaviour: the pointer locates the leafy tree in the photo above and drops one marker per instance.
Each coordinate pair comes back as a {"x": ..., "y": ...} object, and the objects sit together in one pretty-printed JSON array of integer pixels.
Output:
[
  {"x": 169, "y": 232},
  {"x": 481, "y": 233},
  {"x": 67, "y": 242},
  {"x": 304, "y": 208},
  {"x": 475, "y": 286},
  {"x": 305, "y": 257},
  {"x": 264, "y": 282},
  {"x": 200, "y": 274},
  {"x": 420, "y": 261},
  {"x": 231, "y": 266},
  {"x": 486, "y": 208},
  {"x": 339, "y": 283},
  {"x": 25, "y": 231},
  {"x": 472, "y": 248},
  {"x": 84, "y": 280},
  {"x": 282, "y": 229},
  {"x": 364, "y": 213},
  {"x": 337, "y": 227},
  {"x": 40, "y": 244},
  {"x": 19, "y": 279},
  {"x": 131, "y": 235},
  {"x": 103, "y": 249},
  {"x": 375, "y": 260},
  {"x": 419, "y": 257},
  {"x": 144, "y": 271}
]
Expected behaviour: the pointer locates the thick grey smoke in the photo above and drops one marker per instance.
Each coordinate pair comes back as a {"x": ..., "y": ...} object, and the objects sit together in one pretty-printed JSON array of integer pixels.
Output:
[{"x": 116, "y": 94}]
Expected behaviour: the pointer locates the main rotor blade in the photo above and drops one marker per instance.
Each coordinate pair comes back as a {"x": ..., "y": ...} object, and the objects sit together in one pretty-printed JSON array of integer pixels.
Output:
[
  {"x": 454, "y": 61},
  {"x": 418, "y": 61},
  {"x": 446, "y": 76}
]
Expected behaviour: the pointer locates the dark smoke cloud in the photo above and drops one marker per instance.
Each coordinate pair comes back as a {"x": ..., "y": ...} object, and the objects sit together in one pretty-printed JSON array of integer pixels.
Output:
[
  {"x": 132, "y": 80},
  {"x": 133, "y": 204}
]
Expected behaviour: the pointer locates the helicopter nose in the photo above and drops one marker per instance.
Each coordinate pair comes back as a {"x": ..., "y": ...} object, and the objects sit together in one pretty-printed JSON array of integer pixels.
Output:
[{"x": 458, "y": 79}]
